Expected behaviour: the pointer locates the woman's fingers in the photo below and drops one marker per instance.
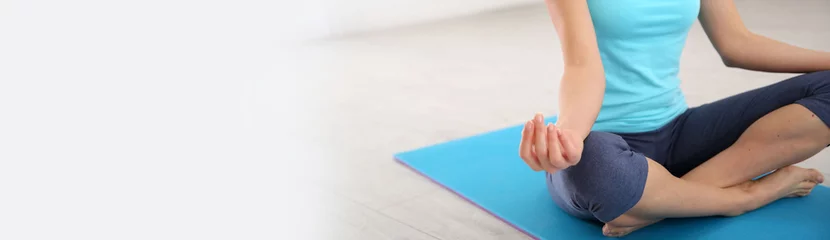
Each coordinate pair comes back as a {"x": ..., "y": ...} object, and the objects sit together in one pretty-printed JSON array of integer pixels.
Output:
[
  {"x": 572, "y": 154},
  {"x": 554, "y": 151},
  {"x": 526, "y": 147},
  {"x": 540, "y": 142}
]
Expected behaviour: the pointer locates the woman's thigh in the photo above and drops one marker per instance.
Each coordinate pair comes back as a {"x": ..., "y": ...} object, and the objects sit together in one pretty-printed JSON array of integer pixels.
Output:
[{"x": 704, "y": 131}]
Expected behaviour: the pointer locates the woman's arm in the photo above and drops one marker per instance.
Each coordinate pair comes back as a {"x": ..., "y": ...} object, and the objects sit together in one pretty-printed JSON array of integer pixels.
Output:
[
  {"x": 740, "y": 48},
  {"x": 553, "y": 148},
  {"x": 583, "y": 83}
]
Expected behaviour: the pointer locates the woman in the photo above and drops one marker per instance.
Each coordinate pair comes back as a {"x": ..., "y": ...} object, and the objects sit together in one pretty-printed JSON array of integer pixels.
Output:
[{"x": 627, "y": 150}]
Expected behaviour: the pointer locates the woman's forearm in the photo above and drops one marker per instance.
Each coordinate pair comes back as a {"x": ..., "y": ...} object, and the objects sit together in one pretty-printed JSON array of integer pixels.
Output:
[
  {"x": 760, "y": 53},
  {"x": 580, "y": 98},
  {"x": 740, "y": 48},
  {"x": 583, "y": 83}
]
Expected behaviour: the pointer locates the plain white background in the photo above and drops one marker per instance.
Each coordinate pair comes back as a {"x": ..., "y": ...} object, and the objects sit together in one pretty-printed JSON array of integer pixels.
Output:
[
  {"x": 352, "y": 16},
  {"x": 316, "y": 19},
  {"x": 155, "y": 120},
  {"x": 171, "y": 119}
]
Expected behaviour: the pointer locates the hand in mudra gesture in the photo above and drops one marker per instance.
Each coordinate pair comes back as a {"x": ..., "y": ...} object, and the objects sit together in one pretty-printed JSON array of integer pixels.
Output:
[{"x": 549, "y": 148}]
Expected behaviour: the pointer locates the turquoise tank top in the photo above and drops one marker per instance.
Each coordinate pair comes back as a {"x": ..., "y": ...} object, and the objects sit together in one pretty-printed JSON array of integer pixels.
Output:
[{"x": 640, "y": 42}]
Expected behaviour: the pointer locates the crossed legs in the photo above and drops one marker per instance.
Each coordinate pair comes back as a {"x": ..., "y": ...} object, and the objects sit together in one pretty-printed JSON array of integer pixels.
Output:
[
  {"x": 765, "y": 129},
  {"x": 722, "y": 186}
]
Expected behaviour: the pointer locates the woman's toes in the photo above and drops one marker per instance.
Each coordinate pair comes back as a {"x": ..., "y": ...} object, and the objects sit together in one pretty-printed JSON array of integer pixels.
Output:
[
  {"x": 610, "y": 231},
  {"x": 613, "y": 231},
  {"x": 814, "y": 176},
  {"x": 803, "y": 189},
  {"x": 807, "y": 185},
  {"x": 817, "y": 176}
]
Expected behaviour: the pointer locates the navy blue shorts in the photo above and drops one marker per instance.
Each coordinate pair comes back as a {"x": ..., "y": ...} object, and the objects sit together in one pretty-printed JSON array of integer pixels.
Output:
[{"x": 610, "y": 178}]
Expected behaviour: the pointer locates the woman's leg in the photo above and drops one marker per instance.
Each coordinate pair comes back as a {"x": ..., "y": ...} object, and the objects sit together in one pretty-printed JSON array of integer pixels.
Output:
[
  {"x": 621, "y": 187},
  {"x": 666, "y": 196},
  {"x": 783, "y": 137},
  {"x": 738, "y": 138}
]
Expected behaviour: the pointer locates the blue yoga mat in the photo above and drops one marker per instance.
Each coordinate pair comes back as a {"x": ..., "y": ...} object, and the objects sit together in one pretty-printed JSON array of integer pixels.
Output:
[{"x": 487, "y": 171}]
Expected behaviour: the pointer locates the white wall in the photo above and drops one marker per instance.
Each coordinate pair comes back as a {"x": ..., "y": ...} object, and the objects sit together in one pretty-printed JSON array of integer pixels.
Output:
[
  {"x": 156, "y": 119},
  {"x": 300, "y": 20},
  {"x": 348, "y": 16},
  {"x": 181, "y": 119}
]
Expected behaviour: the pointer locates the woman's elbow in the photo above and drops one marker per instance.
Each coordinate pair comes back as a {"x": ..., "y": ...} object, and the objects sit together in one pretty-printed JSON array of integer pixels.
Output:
[
  {"x": 729, "y": 62},
  {"x": 734, "y": 53},
  {"x": 732, "y": 58}
]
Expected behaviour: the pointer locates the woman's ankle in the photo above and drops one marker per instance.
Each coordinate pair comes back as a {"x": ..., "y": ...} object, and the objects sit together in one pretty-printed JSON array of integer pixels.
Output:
[{"x": 747, "y": 197}]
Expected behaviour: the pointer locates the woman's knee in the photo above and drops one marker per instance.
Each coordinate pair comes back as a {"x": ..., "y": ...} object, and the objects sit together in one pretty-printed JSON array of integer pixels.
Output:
[
  {"x": 825, "y": 75},
  {"x": 608, "y": 180},
  {"x": 600, "y": 151},
  {"x": 816, "y": 87},
  {"x": 606, "y": 159},
  {"x": 817, "y": 82}
]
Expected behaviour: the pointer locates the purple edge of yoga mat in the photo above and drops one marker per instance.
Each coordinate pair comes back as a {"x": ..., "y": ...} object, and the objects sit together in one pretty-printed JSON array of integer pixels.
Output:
[{"x": 466, "y": 199}]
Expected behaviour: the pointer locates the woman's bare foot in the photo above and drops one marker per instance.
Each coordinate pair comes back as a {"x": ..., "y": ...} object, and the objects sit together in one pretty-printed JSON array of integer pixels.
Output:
[
  {"x": 789, "y": 181},
  {"x": 624, "y": 225}
]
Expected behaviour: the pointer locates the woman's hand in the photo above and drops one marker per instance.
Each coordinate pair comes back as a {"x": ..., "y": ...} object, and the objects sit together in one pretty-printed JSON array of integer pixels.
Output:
[{"x": 549, "y": 148}]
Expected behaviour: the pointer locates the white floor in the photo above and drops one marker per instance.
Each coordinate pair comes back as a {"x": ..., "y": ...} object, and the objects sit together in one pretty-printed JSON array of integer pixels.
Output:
[{"x": 405, "y": 88}]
